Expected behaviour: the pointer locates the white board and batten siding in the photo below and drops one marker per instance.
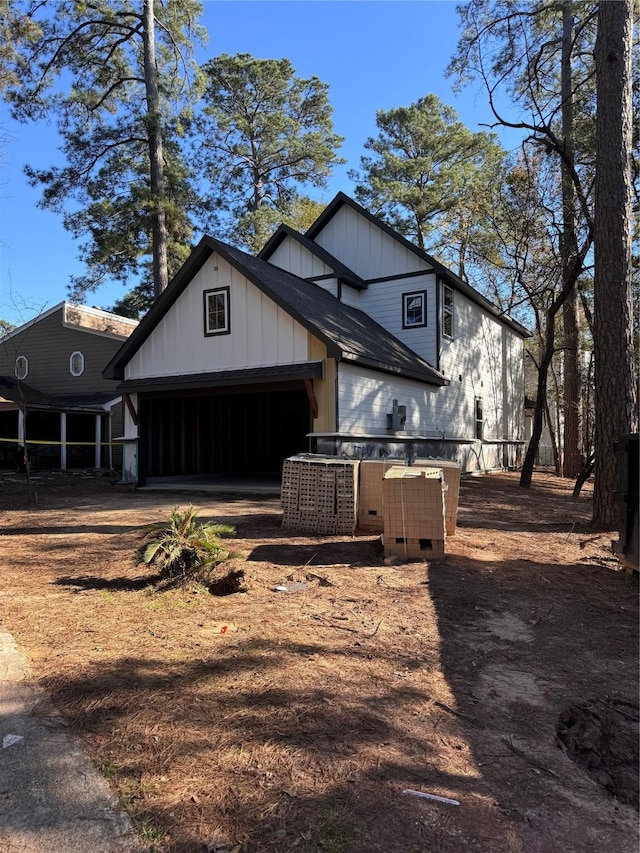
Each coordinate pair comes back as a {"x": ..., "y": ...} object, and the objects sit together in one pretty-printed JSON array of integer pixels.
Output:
[
  {"x": 294, "y": 258},
  {"x": 365, "y": 248},
  {"x": 370, "y": 253},
  {"x": 262, "y": 334}
]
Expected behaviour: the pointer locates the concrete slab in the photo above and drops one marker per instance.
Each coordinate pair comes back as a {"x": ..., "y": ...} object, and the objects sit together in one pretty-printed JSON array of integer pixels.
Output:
[
  {"x": 52, "y": 798},
  {"x": 265, "y": 485}
]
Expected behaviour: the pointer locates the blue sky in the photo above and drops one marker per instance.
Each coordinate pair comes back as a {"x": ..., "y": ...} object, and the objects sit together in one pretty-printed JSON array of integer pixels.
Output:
[{"x": 373, "y": 55}]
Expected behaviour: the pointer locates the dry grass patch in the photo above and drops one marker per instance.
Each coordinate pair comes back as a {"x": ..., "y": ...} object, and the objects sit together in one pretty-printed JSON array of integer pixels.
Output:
[{"x": 294, "y": 720}]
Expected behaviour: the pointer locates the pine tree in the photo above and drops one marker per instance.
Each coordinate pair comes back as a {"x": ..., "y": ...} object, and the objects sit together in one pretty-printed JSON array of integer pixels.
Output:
[{"x": 115, "y": 77}]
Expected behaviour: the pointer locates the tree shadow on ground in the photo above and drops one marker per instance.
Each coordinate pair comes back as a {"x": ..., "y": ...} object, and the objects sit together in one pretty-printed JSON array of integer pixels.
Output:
[
  {"x": 520, "y": 642},
  {"x": 120, "y": 584},
  {"x": 254, "y": 739},
  {"x": 362, "y": 551}
]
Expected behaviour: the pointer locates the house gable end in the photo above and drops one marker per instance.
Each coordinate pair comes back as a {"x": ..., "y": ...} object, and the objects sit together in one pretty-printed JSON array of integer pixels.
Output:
[
  {"x": 273, "y": 253},
  {"x": 221, "y": 321},
  {"x": 61, "y": 359},
  {"x": 324, "y": 229}
]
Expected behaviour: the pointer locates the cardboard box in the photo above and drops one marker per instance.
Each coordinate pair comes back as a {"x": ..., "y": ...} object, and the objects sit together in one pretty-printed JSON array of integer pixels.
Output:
[
  {"x": 371, "y": 501},
  {"x": 414, "y": 512}
]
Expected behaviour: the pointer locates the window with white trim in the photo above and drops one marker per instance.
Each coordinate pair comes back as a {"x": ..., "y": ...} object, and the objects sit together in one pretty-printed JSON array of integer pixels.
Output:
[
  {"x": 479, "y": 418},
  {"x": 414, "y": 309},
  {"x": 216, "y": 312},
  {"x": 447, "y": 311},
  {"x": 76, "y": 363},
  {"x": 22, "y": 367}
]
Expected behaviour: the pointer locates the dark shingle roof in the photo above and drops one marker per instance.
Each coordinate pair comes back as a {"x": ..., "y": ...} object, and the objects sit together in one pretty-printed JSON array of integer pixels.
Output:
[
  {"x": 23, "y": 393},
  {"x": 348, "y": 333}
]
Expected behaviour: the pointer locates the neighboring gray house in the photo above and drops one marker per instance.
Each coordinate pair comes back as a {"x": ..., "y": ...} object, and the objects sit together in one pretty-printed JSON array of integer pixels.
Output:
[
  {"x": 53, "y": 394},
  {"x": 348, "y": 339}
]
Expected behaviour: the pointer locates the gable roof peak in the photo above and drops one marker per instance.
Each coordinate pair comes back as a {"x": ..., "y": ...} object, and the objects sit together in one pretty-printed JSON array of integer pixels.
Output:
[{"x": 341, "y": 199}]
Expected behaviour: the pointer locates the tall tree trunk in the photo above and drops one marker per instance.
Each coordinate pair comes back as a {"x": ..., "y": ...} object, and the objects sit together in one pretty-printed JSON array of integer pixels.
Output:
[
  {"x": 571, "y": 457},
  {"x": 156, "y": 160},
  {"x": 526, "y": 474},
  {"x": 558, "y": 457},
  {"x": 615, "y": 393}
]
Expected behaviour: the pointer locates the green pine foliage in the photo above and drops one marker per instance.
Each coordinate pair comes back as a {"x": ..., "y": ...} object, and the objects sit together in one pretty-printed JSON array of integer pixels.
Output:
[
  {"x": 432, "y": 179},
  {"x": 120, "y": 112},
  {"x": 263, "y": 134}
]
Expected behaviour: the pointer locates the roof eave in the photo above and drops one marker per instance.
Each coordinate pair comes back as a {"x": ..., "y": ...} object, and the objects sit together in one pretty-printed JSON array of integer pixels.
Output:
[
  {"x": 333, "y": 348},
  {"x": 427, "y": 377}
]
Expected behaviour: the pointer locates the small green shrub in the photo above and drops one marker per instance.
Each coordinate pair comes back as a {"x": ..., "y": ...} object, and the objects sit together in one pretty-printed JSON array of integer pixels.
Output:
[{"x": 184, "y": 548}]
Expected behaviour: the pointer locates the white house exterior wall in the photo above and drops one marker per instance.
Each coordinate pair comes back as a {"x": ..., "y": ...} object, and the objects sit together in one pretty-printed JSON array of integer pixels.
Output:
[
  {"x": 484, "y": 359},
  {"x": 262, "y": 334},
  {"x": 294, "y": 258},
  {"x": 365, "y": 248},
  {"x": 488, "y": 357},
  {"x": 383, "y": 301},
  {"x": 365, "y": 397}
]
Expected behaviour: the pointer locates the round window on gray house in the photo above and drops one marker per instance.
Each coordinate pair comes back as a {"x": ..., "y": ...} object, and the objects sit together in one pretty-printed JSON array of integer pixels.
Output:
[
  {"x": 22, "y": 367},
  {"x": 76, "y": 364}
]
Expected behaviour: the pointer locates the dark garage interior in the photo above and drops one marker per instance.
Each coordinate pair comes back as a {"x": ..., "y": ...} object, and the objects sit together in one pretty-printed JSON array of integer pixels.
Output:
[{"x": 222, "y": 431}]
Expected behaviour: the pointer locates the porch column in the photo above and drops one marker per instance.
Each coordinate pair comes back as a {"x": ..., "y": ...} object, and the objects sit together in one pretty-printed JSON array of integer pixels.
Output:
[
  {"x": 21, "y": 416},
  {"x": 110, "y": 439},
  {"x": 96, "y": 456},
  {"x": 63, "y": 441}
]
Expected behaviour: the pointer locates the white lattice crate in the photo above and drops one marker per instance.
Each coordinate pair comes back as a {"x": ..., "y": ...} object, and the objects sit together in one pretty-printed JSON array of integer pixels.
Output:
[
  {"x": 290, "y": 484},
  {"x": 327, "y": 525},
  {"x": 326, "y": 493},
  {"x": 291, "y": 518},
  {"x": 308, "y": 522}
]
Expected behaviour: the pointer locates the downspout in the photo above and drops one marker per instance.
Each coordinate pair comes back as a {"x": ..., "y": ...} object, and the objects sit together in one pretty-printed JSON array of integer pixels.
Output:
[
  {"x": 337, "y": 398},
  {"x": 438, "y": 322},
  {"x": 63, "y": 441}
]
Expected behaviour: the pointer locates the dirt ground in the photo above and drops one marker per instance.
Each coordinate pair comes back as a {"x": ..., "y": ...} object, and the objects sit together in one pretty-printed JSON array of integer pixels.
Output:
[{"x": 299, "y": 720}]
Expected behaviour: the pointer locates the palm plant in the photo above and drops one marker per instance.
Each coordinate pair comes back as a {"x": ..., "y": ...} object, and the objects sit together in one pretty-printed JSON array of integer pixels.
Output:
[{"x": 183, "y": 547}]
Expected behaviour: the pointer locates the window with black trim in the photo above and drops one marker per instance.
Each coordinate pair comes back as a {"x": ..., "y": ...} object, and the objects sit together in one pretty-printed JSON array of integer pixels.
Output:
[
  {"x": 414, "y": 309},
  {"x": 447, "y": 311},
  {"x": 22, "y": 367},
  {"x": 76, "y": 363},
  {"x": 479, "y": 418},
  {"x": 216, "y": 312}
]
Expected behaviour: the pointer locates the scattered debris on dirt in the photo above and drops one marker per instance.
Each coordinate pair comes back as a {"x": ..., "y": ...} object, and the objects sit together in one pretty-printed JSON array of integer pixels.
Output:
[
  {"x": 602, "y": 736},
  {"x": 228, "y": 584}
]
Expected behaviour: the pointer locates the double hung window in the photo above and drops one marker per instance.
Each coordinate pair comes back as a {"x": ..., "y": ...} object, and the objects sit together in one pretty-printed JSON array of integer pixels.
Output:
[
  {"x": 216, "y": 312},
  {"x": 414, "y": 309},
  {"x": 447, "y": 311}
]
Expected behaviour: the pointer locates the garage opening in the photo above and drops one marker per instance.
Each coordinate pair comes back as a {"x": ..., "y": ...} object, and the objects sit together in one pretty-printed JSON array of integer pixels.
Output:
[{"x": 222, "y": 432}]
